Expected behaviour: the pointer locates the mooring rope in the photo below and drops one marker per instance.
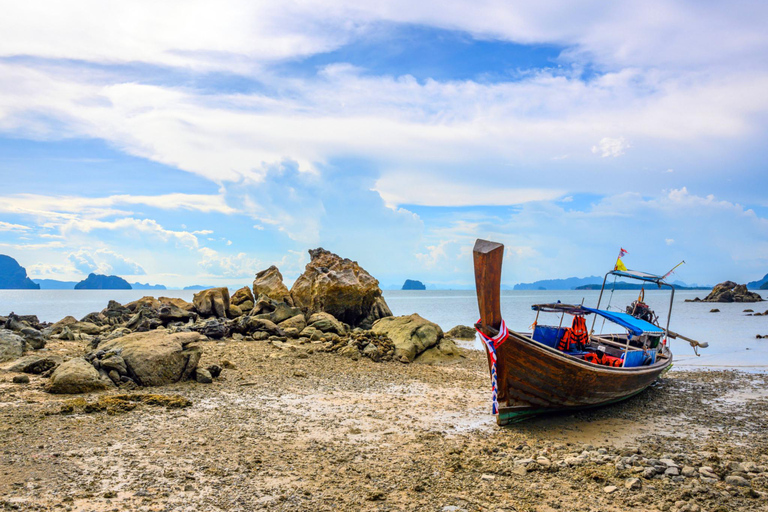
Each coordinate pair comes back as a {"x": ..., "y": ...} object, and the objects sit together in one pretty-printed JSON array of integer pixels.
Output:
[{"x": 492, "y": 343}]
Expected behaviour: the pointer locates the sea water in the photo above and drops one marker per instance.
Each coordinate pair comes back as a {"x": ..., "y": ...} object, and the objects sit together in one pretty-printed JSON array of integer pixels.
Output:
[{"x": 730, "y": 333}]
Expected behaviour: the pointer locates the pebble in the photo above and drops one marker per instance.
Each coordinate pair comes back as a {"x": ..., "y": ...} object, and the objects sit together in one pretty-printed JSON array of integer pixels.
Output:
[
  {"x": 689, "y": 471},
  {"x": 737, "y": 480},
  {"x": 20, "y": 379},
  {"x": 633, "y": 484},
  {"x": 672, "y": 471},
  {"x": 610, "y": 489}
]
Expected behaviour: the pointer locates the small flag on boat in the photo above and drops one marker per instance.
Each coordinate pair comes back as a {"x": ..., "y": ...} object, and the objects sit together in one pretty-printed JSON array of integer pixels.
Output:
[{"x": 620, "y": 264}]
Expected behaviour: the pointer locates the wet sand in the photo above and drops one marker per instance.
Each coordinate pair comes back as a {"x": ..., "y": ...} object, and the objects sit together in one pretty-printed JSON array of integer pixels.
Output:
[{"x": 298, "y": 429}]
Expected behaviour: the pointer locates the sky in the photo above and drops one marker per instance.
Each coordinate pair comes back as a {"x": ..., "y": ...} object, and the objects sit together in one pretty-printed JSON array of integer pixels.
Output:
[{"x": 198, "y": 142}]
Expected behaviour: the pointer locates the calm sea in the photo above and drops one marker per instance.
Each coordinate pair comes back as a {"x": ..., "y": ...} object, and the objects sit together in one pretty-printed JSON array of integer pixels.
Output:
[{"x": 730, "y": 333}]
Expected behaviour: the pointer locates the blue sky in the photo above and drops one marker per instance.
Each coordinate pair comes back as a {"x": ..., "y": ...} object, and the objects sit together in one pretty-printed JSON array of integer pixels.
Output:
[{"x": 183, "y": 143}]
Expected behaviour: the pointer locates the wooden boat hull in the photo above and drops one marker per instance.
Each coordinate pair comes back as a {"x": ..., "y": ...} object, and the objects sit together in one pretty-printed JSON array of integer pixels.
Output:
[{"x": 535, "y": 379}]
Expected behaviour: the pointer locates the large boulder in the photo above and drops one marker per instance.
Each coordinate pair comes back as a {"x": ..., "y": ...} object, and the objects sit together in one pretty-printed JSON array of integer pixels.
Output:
[
  {"x": 156, "y": 358},
  {"x": 729, "y": 291},
  {"x": 444, "y": 352},
  {"x": 340, "y": 287},
  {"x": 242, "y": 296},
  {"x": 326, "y": 322},
  {"x": 212, "y": 302},
  {"x": 410, "y": 334},
  {"x": 61, "y": 324},
  {"x": 77, "y": 376},
  {"x": 269, "y": 282},
  {"x": 462, "y": 332},
  {"x": 11, "y": 345}
]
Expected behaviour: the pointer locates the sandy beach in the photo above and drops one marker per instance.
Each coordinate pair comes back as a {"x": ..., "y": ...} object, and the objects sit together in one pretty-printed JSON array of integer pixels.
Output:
[{"x": 289, "y": 427}]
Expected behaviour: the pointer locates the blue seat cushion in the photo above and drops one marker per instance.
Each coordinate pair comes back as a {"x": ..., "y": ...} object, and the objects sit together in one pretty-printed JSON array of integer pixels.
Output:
[{"x": 548, "y": 335}]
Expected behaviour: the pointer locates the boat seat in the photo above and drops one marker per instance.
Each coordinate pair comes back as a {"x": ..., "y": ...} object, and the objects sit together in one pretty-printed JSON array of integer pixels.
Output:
[
  {"x": 548, "y": 335},
  {"x": 638, "y": 358}
]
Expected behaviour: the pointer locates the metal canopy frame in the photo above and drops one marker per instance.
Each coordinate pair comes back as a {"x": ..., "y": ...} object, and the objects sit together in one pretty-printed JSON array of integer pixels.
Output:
[{"x": 639, "y": 276}]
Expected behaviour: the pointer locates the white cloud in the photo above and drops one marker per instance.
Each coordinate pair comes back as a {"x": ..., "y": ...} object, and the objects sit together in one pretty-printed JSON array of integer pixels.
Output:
[
  {"x": 7, "y": 226},
  {"x": 68, "y": 207},
  {"x": 104, "y": 261},
  {"x": 232, "y": 266},
  {"x": 423, "y": 189},
  {"x": 611, "y": 147},
  {"x": 141, "y": 226}
]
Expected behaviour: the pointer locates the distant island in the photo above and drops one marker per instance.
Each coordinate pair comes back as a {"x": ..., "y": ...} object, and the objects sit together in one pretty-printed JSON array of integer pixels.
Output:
[
  {"x": 760, "y": 284},
  {"x": 13, "y": 276},
  {"x": 139, "y": 286},
  {"x": 411, "y": 284},
  {"x": 570, "y": 283},
  {"x": 197, "y": 287},
  {"x": 102, "y": 282}
]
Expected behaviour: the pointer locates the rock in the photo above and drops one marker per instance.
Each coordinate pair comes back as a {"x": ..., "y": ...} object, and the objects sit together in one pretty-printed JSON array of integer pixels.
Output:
[
  {"x": 340, "y": 287},
  {"x": 20, "y": 379},
  {"x": 59, "y": 326},
  {"x": 326, "y": 322},
  {"x": 672, "y": 471},
  {"x": 737, "y": 480},
  {"x": 35, "y": 364},
  {"x": 85, "y": 327},
  {"x": 444, "y": 352},
  {"x": 212, "y": 302},
  {"x": 290, "y": 332},
  {"x": 157, "y": 357},
  {"x": 461, "y": 332},
  {"x": 708, "y": 472},
  {"x": 633, "y": 484},
  {"x": 13, "y": 276},
  {"x": 214, "y": 370},
  {"x": 714, "y": 310},
  {"x": 76, "y": 376},
  {"x": 33, "y": 338},
  {"x": 169, "y": 313},
  {"x": 610, "y": 489},
  {"x": 270, "y": 283},
  {"x": 235, "y": 311},
  {"x": 296, "y": 322},
  {"x": 350, "y": 352},
  {"x": 250, "y": 325},
  {"x": 242, "y": 296},
  {"x": 372, "y": 352},
  {"x": 729, "y": 291},
  {"x": 411, "y": 334},
  {"x": 11, "y": 345},
  {"x": 114, "y": 362},
  {"x": 689, "y": 471},
  {"x": 214, "y": 329},
  {"x": 203, "y": 376}
]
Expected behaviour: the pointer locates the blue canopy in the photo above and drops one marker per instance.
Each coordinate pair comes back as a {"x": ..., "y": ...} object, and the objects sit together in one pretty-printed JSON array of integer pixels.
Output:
[{"x": 635, "y": 326}]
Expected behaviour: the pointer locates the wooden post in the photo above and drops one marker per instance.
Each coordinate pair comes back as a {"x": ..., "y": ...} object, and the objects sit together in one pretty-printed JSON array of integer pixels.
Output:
[{"x": 488, "y": 258}]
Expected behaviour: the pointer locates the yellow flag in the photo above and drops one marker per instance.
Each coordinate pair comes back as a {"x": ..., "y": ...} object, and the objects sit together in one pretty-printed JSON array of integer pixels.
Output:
[{"x": 620, "y": 265}]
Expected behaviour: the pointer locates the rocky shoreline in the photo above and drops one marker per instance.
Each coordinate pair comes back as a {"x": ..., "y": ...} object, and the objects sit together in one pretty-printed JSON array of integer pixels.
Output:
[{"x": 295, "y": 429}]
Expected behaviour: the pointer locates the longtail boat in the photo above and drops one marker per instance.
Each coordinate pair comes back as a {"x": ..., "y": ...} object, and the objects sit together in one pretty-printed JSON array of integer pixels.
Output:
[{"x": 560, "y": 368}]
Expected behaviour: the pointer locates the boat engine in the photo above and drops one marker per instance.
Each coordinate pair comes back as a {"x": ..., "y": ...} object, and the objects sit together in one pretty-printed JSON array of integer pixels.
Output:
[{"x": 641, "y": 310}]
